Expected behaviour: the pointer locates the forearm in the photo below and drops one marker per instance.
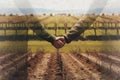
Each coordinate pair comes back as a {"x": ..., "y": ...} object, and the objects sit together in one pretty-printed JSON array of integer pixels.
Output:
[
  {"x": 77, "y": 30},
  {"x": 45, "y": 35},
  {"x": 42, "y": 33},
  {"x": 73, "y": 34}
]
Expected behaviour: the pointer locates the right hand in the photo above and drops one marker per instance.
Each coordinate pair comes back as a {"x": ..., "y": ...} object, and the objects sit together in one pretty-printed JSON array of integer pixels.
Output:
[{"x": 59, "y": 42}]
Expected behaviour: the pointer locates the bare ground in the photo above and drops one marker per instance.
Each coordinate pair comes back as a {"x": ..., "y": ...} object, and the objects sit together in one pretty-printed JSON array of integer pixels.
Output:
[{"x": 56, "y": 66}]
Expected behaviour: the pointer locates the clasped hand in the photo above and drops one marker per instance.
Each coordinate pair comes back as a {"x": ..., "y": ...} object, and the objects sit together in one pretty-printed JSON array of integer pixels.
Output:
[{"x": 59, "y": 42}]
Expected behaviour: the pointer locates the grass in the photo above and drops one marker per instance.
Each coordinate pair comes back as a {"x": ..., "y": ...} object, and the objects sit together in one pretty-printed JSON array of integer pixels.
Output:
[
  {"x": 59, "y": 32},
  {"x": 13, "y": 47},
  {"x": 91, "y": 46},
  {"x": 36, "y": 45},
  {"x": 59, "y": 19}
]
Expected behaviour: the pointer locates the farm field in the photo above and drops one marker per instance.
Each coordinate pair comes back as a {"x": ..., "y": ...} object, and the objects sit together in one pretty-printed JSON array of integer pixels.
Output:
[
  {"x": 50, "y": 22},
  {"x": 78, "y": 60},
  {"x": 74, "y": 65}
]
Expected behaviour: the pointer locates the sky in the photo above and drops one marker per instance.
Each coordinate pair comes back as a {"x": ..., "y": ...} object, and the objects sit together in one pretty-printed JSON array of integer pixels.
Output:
[
  {"x": 74, "y": 6},
  {"x": 59, "y": 4}
]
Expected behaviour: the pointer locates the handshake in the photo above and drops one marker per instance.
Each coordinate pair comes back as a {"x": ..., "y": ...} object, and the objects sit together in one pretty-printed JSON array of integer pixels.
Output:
[{"x": 59, "y": 42}]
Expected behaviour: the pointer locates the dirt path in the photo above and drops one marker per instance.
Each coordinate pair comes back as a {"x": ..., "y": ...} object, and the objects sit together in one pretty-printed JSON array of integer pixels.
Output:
[
  {"x": 41, "y": 68},
  {"x": 48, "y": 68},
  {"x": 54, "y": 71}
]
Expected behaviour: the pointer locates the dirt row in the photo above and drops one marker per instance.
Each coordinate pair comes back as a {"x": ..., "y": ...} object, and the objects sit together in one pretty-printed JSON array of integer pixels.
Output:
[
  {"x": 54, "y": 71},
  {"x": 38, "y": 71},
  {"x": 11, "y": 63},
  {"x": 61, "y": 66},
  {"x": 47, "y": 68},
  {"x": 76, "y": 70},
  {"x": 108, "y": 66}
]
